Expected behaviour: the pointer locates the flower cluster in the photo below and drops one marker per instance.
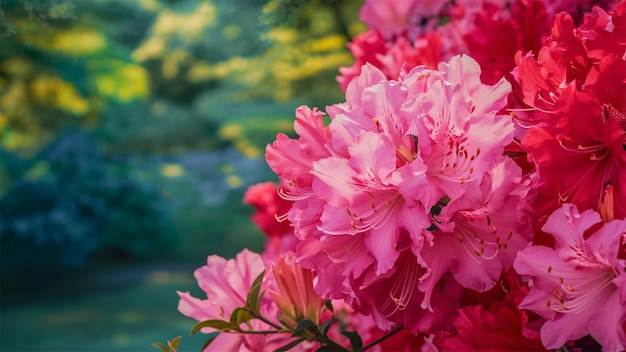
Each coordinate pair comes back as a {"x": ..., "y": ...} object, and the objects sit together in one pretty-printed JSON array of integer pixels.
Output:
[{"x": 469, "y": 194}]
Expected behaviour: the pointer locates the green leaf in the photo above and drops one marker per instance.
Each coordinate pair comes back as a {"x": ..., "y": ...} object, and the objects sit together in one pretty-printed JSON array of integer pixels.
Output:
[
  {"x": 220, "y": 325},
  {"x": 175, "y": 342},
  {"x": 212, "y": 337},
  {"x": 355, "y": 339},
  {"x": 289, "y": 346},
  {"x": 253, "y": 301},
  {"x": 160, "y": 346},
  {"x": 329, "y": 306},
  {"x": 240, "y": 315},
  {"x": 435, "y": 210},
  {"x": 326, "y": 325},
  {"x": 303, "y": 325},
  {"x": 326, "y": 348}
]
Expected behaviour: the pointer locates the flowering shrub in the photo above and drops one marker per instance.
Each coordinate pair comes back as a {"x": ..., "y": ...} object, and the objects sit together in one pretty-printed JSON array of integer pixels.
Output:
[{"x": 467, "y": 195}]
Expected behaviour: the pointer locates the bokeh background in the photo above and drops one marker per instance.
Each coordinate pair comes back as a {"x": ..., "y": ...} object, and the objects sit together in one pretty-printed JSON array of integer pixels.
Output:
[{"x": 129, "y": 131}]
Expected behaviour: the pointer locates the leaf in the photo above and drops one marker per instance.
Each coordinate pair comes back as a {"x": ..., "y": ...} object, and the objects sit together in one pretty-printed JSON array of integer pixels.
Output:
[
  {"x": 324, "y": 327},
  {"x": 220, "y": 325},
  {"x": 326, "y": 348},
  {"x": 303, "y": 325},
  {"x": 160, "y": 346},
  {"x": 253, "y": 301},
  {"x": 355, "y": 339},
  {"x": 289, "y": 346},
  {"x": 212, "y": 337},
  {"x": 175, "y": 342},
  {"x": 240, "y": 315},
  {"x": 329, "y": 305}
]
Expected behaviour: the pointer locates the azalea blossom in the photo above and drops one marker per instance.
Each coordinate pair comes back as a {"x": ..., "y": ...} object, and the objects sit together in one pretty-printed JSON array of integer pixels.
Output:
[
  {"x": 393, "y": 151},
  {"x": 479, "y": 235},
  {"x": 494, "y": 322},
  {"x": 577, "y": 139},
  {"x": 579, "y": 287},
  {"x": 391, "y": 57},
  {"x": 226, "y": 284},
  {"x": 579, "y": 159},
  {"x": 270, "y": 207},
  {"x": 295, "y": 295},
  {"x": 395, "y": 17}
]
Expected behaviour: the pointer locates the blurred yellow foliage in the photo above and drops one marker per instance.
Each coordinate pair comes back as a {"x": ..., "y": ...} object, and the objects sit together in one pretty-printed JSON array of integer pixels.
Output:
[
  {"x": 172, "y": 170},
  {"x": 170, "y": 26},
  {"x": 150, "y": 5},
  {"x": 53, "y": 91},
  {"x": 150, "y": 48},
  {"x": 16, "y": 140},
  {"x": 234, "y": 181},
  {"x": 281, "y": 35},
  {"x": 26, "y": 91},
  {"x": 78, "y": 40},
  {"x": 235, "y": 133},
  {"x": 247, "y": 149},
  {"x": 230, "y": 131},
  {"x": 328, "y": 43},
  {"x": 172, "y": 62},
  {"x": 4, "y": 121},
  {"x": 120, "y": 80}
]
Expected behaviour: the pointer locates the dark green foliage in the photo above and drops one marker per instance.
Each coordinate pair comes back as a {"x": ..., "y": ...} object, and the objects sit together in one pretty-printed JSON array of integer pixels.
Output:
[{"x": 72, "y": 201}]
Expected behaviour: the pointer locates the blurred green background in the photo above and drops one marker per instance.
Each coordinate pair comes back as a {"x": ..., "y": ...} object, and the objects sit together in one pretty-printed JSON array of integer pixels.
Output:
[{"x": 129, "y": 130}]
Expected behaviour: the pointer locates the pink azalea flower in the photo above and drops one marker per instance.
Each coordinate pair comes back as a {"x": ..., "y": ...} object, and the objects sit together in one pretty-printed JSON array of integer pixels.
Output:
[
  {"x": 459, "y": 133},
  {"x": 395, "y": 17},
  {"x": 395, "y": 298},
  {"x": 579, "y": 286},
  {"x": 480, "y": 234},
  {"x": 362, "y": 197},
  {"x": 392, "y": 151},
  {"x": 226, "y": 284},
  {"x": 339, "y": 260},
  {"x": 292, "y": 161},
  {"x": 295, "y": 296}
]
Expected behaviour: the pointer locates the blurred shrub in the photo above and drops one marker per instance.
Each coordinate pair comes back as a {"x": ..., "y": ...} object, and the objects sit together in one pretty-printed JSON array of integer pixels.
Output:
[{"x": 69, "y": 202}]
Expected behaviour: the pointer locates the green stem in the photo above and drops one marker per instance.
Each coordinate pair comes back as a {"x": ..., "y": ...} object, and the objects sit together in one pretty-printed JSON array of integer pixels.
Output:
[
  {"x": 259, "y": 332},
  {"x": 263, "y": 319},
  {"x": 329, "y": 342},
  {"x": 381, "y": 339}
]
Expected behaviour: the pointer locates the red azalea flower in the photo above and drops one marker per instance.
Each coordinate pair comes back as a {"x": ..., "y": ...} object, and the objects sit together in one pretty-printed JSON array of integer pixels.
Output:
[
  {"x": 579, "y": 157},
  {"x": 496, "y": 322},
  {"x": 269, "y": 207},
  {"x": 499, "y": 33}
]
